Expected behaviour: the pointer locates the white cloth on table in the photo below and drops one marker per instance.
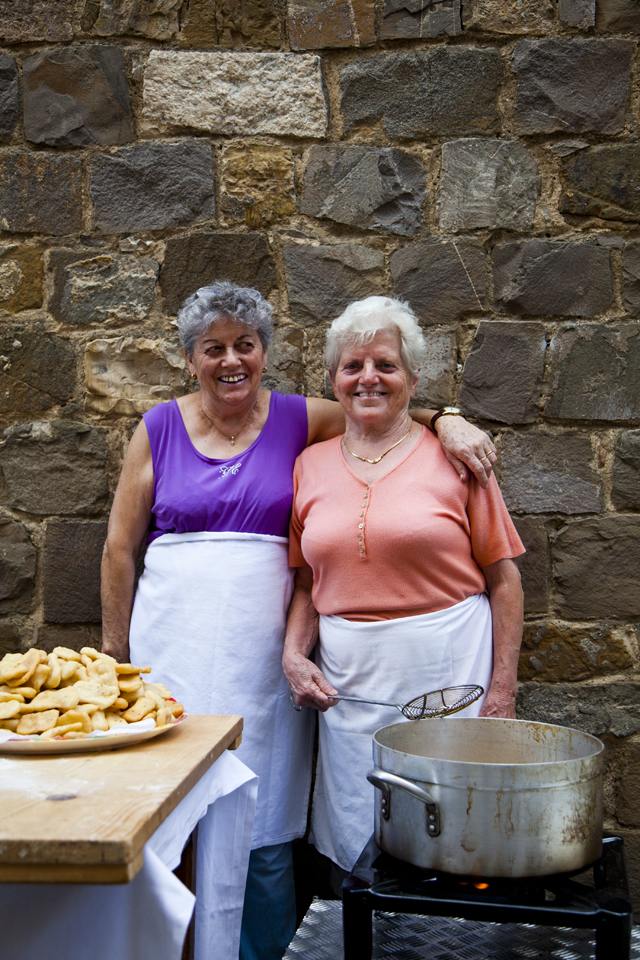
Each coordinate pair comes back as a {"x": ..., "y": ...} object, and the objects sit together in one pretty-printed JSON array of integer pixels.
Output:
[
  {"x": 210, "y": 615},
  {"x": 394, "y": 660},
  {"x": 147, "y": 919}
]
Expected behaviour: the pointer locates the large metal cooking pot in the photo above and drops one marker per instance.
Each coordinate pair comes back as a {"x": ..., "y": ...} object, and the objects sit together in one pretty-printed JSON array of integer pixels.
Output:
[{"x": 492, "y": 798}]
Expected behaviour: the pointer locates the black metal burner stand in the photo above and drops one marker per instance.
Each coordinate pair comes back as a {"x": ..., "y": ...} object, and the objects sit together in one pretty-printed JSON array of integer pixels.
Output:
[{"x": 380, "y": 882}]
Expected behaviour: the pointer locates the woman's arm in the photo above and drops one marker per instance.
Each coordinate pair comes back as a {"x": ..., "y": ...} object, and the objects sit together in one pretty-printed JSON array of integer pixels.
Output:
[
  {"x": 507, "y": 612},
  {"x": 465, "y": 446},
  {"x": 128, "y": 523},
  {"x": 308, "y": 684}
]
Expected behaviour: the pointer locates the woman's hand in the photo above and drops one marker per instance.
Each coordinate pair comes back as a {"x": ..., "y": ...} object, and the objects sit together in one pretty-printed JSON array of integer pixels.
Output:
[
  {"x": 465, "y": 446},
  {"x": 499, "y": 703},
  {"x": 505, "y": 597},
  {"x": 309, "y": 688}
]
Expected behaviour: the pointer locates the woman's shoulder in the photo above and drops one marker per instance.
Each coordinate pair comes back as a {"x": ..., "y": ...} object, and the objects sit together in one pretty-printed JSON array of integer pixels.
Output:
[
  {"x": 160, "y": 413},
  {"x": 318, "y": 455}
]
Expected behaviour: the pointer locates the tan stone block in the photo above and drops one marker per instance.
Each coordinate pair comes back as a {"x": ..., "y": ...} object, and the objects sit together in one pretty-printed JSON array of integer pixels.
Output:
[
  {"x": 509, "y": 16},
  {"x": 247, "y": 23},
  {"x": 558, "y": 652},
  {"x": 20, "y": 278},
  {"x": 315, "y": 24},
  {"x": 198, "y": 29},
  {"x": 257, "y": 183},
  {"x": 157, "y": 19},
  {"x": 128, "y": 376},
  {"x": 627, "y": 808}
]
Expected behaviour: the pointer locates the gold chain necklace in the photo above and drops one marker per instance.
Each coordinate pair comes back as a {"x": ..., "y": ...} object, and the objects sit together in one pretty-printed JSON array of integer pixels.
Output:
[
  {"x": 378, "y": 459},
  {"x": 232, "y": 439}
]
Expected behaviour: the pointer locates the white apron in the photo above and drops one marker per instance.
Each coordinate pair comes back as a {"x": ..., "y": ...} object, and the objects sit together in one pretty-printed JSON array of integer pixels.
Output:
[
  {"x": 209, "y": 616},
  {"x": 393, "y": 660}
]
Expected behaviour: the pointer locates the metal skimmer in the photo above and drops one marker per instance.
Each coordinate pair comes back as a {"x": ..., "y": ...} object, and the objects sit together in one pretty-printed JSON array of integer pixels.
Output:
[{"x": 437, "y": 703}]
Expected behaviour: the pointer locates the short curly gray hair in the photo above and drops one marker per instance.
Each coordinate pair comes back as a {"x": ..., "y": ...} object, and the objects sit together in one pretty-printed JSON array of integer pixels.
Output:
[
  {"x": 362, "y": 320},
  {"x": 224, "y": 301}
]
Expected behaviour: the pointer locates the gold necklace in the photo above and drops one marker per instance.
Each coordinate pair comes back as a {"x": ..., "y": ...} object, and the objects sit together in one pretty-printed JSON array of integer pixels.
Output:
[
  {"x": 232, "y": 439},
  {"x": 377, "y": 459}
]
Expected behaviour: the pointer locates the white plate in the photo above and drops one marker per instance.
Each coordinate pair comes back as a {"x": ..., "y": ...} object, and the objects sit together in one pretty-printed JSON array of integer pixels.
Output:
[{"x": 85, "y": 744}]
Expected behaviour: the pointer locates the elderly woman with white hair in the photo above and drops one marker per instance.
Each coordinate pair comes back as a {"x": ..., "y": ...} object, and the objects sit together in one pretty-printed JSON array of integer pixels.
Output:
[{"x": 411, "y": 572}]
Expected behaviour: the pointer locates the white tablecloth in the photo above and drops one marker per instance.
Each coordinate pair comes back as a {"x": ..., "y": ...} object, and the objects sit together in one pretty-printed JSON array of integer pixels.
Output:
[{"x": 147, "y": 919}]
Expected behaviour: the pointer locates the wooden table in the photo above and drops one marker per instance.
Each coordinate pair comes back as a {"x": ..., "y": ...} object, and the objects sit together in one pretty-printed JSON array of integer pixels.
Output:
[{"x": 84, "y": 818}]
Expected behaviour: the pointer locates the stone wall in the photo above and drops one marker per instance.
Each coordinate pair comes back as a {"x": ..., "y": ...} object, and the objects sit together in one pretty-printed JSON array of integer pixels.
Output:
[{"x": 479, "y": 158}]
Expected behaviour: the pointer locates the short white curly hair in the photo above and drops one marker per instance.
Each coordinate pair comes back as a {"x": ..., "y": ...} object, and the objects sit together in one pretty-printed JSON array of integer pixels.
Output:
[{"x": 362, "y": 320}]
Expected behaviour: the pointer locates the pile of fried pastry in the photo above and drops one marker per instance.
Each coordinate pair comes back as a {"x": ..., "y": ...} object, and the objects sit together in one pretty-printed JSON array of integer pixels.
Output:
[{"x": 69, "y": 694}]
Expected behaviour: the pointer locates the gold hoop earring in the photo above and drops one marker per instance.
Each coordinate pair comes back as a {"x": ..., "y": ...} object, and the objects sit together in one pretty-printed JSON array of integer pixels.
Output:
[{"x": 264, "y": 369}]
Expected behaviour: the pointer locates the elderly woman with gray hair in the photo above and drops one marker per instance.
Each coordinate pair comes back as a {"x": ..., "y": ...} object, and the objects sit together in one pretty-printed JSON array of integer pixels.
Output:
[
  {"x": 207, "y": 479},
  {"x": 411, "y": 572}
]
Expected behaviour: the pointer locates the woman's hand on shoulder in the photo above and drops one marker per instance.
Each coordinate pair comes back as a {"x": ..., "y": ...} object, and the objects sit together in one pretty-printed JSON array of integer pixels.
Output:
[
  {"x": 325, "y": 419},
  {"x": 309, "y": 687},
  {"x": 467, "y": 447}
]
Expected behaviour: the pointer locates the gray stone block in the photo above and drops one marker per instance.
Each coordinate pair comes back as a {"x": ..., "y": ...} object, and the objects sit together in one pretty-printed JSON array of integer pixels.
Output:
[
  {"x": 322, "y": 281},
  {"x": 625, "y": 474},
  {"x": 101, "y": 288},
  {"x": 605, "y": 708},
  {"x": 9, "y": 638},
  {"x": 595, "y": 373},
  {"x": 545, "y": 473},
  {"x": 415, "y": 19},
  {"x": 54, "y": 467},
  {"x": 40, "y": 193},
  {"x": 156, "y": 19},
  {"x": 509, "y": 16},
  {"x": 631, "y": 283},
  {"x": 448, "y": 91},
  {"x": 487, "y": 183},
  {"x": 603, "y": 182},
  {"x": 48, "y": 636},
  {"x": 285, "y": 366},
  {"x": 25, "y": 20},
  {"x": 553, "y": 277},
  {"x": 9, "y": 97},
  {"x": 577, "y": 13},
  {"x": 376, "y": 189},
  {"x": 618, "y": 16},
  {"x": 17, "y": 568},
  {"x": 152, "y": 186},
  {"x": 437, "y": 376},
  {"x": 197, "y": 259},
  {"x": 596, "y": 564},
  {"x": 71, "y": 575},
  {"x": 441, "y": 280},
  {"x": 534, "y": 565},
  {"x": 316, "y": 24},
  {"x": 502, "y": 378},
  {"x": 37, "y": 370},
  {"x": 572, "y": 86},
  {"x": 76, "y": 96}
]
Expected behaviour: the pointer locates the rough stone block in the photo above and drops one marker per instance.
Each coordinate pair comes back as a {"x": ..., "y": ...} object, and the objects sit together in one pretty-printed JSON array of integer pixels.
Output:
[
  {"x": 502, "y": 377},
  {"x": 285, "y": 365},
  {"x": 627, "y": 810},
  {"x": 554, "y": 652},
  {"x": 156, "y": 19},
  {"x": 603, "y": 182},
  {"x": 20, "y": 278},
  {"x": 40, "y": 193},
  {"x": 234, "y": 93},
  {"x": 257, "y": 185},
  {"x": 441, "y": 280},
  {"x": 9, "y": 97},
  {"x": 577, "y": 13},
  {"x": 37, "y": 370},
  {"x": 71, "y": 575},
  {"x": 375, "y": 189},
  {"x": 152, "y": 186},
  {"x": 9, "y": 638},
  {"x": 595, "y": 373},
  {"x": 625, "y": 475},
  {"x": 54, "y": 467},
  {"x": 487, "y": 183},
  {"x": 534, "y": 565},
  {"x": 25, "y": 20},
  {"x": 196, "y": 260},
  {"x": 198, "y": 24},
  {"x": 415, "y": 19},
  {"x": 509, "y": 16},
  {"x": 437, "y": 376},
  {"x": 596, "y": 568},
  {"x": 101, "y": 288},
  {"x": 554, "y": 277},
  {"x": 618, "y": 16},
  {"x": 242, "y": 23},
  {"x": 631, "y": 840},
  {"x": 76, "y": 96},
  {"x": 322, "y": 281},
  {"x": 605, "y": 708},
  {"x": 129, "y": 375},
  {"x": 315, "y": 24},
  {"x": 631, "y": 285},
  {"x": 17, "y": 567},
  {"x": 572, "y": 86},
  {"x": 447, "y": 91},
  {"x": 544, "y": 473},
  {"x": 48, "y": 636}
]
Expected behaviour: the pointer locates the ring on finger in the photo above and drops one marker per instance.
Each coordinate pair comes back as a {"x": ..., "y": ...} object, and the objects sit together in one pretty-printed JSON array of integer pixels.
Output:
[{"x": 294, "y": 704}]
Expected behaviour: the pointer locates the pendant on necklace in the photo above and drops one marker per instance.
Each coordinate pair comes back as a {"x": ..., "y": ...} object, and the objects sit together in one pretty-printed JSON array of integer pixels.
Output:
[{"x": 232, "y": 441}]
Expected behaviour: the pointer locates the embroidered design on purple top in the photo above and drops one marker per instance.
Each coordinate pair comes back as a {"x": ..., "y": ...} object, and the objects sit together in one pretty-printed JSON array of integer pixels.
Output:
[{"x": 225, "y": 471}]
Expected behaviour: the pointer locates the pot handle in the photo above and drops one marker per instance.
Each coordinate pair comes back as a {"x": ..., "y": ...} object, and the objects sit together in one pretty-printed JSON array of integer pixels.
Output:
[{"x": 383, "y": 780}]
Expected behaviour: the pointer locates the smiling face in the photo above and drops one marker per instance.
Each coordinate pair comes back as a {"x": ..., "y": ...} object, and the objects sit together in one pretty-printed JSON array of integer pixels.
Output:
[
  {"x": 228, "y": 361},
  {"x": 372, "y": 383}
]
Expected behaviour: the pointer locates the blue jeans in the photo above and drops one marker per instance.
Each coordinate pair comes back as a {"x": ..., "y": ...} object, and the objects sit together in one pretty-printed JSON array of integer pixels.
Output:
[{"x": 269, "y": 915}]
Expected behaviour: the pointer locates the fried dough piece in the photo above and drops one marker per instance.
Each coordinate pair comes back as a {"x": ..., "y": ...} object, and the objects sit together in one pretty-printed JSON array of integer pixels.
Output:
[
  {"x": 162, "y": 690},
  {"x": 4, "y": 697},
  {"x": 75, "y": 716},
  {"x": 127, "y": 668},
  {"x": 120, "y": 703},
  {"x": 63, "y": 699},
  {"x": 96, "y": 654},
  {"x": 150, "y": 690},
  {"x": 129, "y": 683},
  {"x": 61, "y": 731},
  {"x": 25, "y": 692},
  {"x": 103, "y": 671},
  {"x": 86, "y": 661},
  {"x": 132, "y": 697},
  {"x": 10, "y": 708},
  {"x": 39, "y": 675},
  {"x": 114, "y": 719},
  {"x": 9, "y": 724},
  {"x": 90, "y": 691},
  {"x": 99, "y": 721},
  {"x": 163, "y": 717},
  {"x": 17, "y": 668},
  {"x": 68, "y": 672},
  {"x": 176, "y": 708},
  {"x": 55, "y": 672},
  {"x": 37, "y": 722},
  {"x": 139, "y": 710},
  {"x": 64, "y": 653}
]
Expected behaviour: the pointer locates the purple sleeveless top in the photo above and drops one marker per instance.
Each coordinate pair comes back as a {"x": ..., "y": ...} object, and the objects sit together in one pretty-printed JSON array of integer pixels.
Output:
[{"x": 249, "y": 493}]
